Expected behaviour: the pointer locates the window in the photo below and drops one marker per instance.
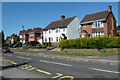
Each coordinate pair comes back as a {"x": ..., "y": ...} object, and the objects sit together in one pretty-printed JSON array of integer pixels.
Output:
[
  {"x": 83, "y": 36},
  {"x": 63, "y": 29},
  {"x": 56, "y": 39},
  {"x": 45, "y": 32},
  {"x": 31, "y": 40},
  {"x": 97, "y": 24},
  {"x": 21, "y": 36},
  {"x": 49, "y": 30},
  {"x": 57, "y": 30},
  {"x": 50, "y": 39},
  {"x": 39, "y": 34},
  {"x": 45, "y": 39},
  {"x": 97, "y": 34},
  {"x": 85, "y": 25},
  {"x": 31, "y": 34}
]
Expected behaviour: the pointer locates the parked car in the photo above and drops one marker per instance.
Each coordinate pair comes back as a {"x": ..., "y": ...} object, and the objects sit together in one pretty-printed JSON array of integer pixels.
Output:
[
  {"x": 26, "y": 45},
  {"x": 5, "y": 50},
  {"x": 15, "y": 45}
]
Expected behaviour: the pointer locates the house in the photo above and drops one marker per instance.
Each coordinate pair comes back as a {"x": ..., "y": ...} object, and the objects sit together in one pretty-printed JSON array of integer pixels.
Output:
[
  {"x": 98, "y": 24},
  {"x": 35, "y": 35},
  {"x": 65, "y": 28},
  {"x": 31, "y": 35},
  {"x": 22, "y": 36},
  {"x": 12, "y": 39}
]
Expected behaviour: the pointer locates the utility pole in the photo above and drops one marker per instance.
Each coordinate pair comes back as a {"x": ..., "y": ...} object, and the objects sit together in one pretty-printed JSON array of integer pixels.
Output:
[{"x": 22, "y": 33}]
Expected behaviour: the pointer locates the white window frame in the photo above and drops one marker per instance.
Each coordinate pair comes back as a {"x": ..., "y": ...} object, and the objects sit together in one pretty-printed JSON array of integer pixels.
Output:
[
  {"x": 97, "y": 24},
  {"x": 57, "y": 39},
  {"x": 31, "y": 34},
  {"x": 85, "y": 25},
  {"x": 82, "y": 35}
]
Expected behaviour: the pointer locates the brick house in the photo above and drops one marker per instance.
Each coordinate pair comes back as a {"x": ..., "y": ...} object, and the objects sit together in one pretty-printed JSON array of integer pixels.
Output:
[
  {"x": 65, "y": 28},
  {"x": 31, "y": 35},
  {"x": 98, "y": 24},
  {"x": 12, "y": 39}
]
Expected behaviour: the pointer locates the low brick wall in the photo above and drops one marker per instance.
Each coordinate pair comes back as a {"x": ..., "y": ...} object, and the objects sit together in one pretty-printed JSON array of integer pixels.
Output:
[
  {"x": 111, "y": 50},
  {"x": 55, "y": 43}
]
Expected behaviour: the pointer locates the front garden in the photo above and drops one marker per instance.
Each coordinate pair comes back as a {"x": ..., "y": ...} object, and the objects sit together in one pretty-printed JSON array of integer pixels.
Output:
[{"x": 95, "y": 46}]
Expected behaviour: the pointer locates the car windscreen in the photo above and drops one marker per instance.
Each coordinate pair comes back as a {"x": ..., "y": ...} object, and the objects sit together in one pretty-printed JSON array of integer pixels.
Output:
[{"x": 4, "y": 48}]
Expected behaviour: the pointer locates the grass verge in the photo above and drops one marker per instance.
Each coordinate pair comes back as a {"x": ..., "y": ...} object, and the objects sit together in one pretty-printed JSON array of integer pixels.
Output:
[
  {"x": 33, "y": 51},
  {"x": 87, "y": 54}
]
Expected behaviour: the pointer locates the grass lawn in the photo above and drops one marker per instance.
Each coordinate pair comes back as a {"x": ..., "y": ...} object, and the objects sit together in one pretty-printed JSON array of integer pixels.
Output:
[
  {"x": 32, "y": 50},
  {"x": 87, "y": 54}
]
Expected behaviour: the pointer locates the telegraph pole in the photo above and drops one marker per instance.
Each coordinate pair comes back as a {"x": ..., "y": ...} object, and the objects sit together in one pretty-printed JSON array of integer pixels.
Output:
[{"x": 22, "y": 33}]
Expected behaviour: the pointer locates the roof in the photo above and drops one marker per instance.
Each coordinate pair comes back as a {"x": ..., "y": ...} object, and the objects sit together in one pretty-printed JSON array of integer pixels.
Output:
[
  {"x": 29, "y": 30},
  {"x": 60, "y": 23},
  {"x": 95, "y": 16},
  {"x": 38, "y": 30},
  {"x": 21, "y": 32},
  {"x": 35, "y": 30},
  {"x": 85, "y": 31}
]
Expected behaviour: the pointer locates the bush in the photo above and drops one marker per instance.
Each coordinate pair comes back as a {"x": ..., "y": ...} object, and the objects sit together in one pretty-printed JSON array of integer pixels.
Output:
[
  {"x": 44, "y": 46},
  {"x": 31, "y": 47},
  {"x": 19, "y": 43},
  {"x": 91, "y": 43}
]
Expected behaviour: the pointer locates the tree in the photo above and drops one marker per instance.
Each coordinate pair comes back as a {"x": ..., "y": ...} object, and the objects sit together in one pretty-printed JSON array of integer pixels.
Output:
[
  {"x": 118, "y": 30},
  {"x": 2, "y": 38},
  {"x": 2, "y": 33}
]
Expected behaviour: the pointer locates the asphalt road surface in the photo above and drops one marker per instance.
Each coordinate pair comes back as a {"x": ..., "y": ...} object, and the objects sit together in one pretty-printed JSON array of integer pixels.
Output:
[{"x": 29, "y": 66}]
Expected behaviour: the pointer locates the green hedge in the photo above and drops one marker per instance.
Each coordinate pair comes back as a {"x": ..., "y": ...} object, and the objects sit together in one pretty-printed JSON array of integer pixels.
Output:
[{"x": 91, "y": 43}]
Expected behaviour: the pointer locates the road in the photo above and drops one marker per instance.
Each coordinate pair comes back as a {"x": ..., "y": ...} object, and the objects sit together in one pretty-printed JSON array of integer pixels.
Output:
[{"x": 39, "y": 66}]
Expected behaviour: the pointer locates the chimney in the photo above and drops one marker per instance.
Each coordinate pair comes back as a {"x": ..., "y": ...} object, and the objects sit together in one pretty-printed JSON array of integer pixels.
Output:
[
  {"x": 62, "y": 17},
  {"x": 109, "y": 8}
]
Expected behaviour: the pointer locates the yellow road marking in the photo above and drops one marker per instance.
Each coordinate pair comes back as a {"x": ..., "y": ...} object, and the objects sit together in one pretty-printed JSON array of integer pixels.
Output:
[
  {"x": 58, "y": 75},
  {"x": 33, "y": 68},
  {"x": 28, "y": 67},
  {"x": 43, "y": 71},
  {"x": 66, "y": 77}
]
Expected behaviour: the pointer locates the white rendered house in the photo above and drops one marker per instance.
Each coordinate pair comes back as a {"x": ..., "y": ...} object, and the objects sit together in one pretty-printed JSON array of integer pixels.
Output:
[{"x": 65, "y": 28}]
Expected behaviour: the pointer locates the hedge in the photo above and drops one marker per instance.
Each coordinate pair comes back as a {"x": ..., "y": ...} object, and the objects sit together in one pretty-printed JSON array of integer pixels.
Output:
[{"x": 91, "y": 43}]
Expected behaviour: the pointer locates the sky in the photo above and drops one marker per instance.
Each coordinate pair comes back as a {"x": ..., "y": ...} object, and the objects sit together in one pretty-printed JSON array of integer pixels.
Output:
[{"x": 40, "y": 14}]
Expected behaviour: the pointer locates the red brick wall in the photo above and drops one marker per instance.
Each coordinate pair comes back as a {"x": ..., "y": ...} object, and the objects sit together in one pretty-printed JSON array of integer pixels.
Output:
[
  {"x": 110, "y": 26},
  {"x": 88, "y": 28}
]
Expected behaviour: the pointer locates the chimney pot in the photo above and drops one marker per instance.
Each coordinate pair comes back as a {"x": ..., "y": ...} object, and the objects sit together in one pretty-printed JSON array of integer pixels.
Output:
[
  {"x": 109, "y": 8},
  {"x": 62, "y": 17}
]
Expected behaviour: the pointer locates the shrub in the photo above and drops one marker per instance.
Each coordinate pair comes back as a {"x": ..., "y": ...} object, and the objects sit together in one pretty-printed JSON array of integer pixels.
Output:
[
  {"x": 19, "y": 43},
  {"x": 44, "y": 46},
  {"x": 31, "y": 47},
  {"x": 91, "y": 43}
]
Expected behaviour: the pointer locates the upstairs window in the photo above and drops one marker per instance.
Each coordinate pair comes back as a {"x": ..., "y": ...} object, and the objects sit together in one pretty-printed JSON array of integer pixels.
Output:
[
  {"x": 98, "y": 24},
  {"x": 85, "y": 25},
  {"x": 63, "y": 29},
  {"x": 45, "y": 32},
  {"x": 31, "y": 34},
  {"x": 50, "y": 31},
  {"x": 57, "y": 30}
]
